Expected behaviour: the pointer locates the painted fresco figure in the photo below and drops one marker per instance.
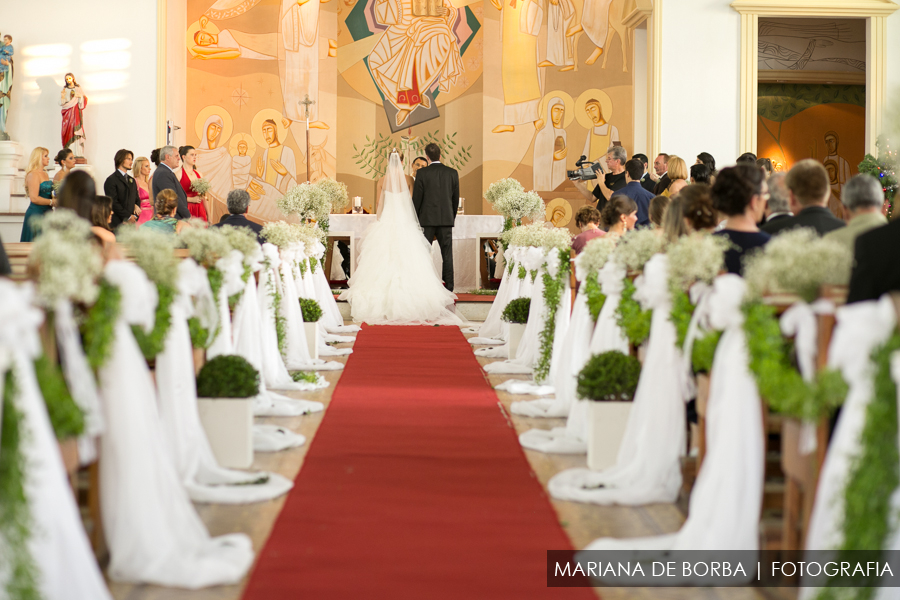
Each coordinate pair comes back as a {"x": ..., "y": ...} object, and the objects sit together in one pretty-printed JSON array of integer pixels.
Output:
[
  {"x": 7, "y": 72},
  {"x": 414, "y": 52},
  {"x": 600, "y": 20},
  {"x": 520, "y": 23},
  {"x": 550, "y": 148},
  {"x": 214, "y": 161},
  {"x": 602, "y": 135},
  {"x": 299, "y": 36},
  {"x": 275, "y": 170},
  {"x": 560, "y": 51},
  {"x": 240, "y": 166},
  {"x": 73, "y": 102},
  {"x": 837, "y": 166}
]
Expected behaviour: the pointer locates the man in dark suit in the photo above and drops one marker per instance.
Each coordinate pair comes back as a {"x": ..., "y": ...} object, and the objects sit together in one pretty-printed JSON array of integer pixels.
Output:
[
  {"x": 164, "y": 179},
  {"x": 875, "y": 270},
  {"x": 634, "y": 190},
  {"x": 238, "y": 201},
  {"x": 661, "y": 168},
  {"x": 120, "y": 186},
  {"x": 809, "y": 188},
  {"x": 646, "y": 182},
  {"x": 778, "y": 205},
  {"x": 436, "y": 199}
]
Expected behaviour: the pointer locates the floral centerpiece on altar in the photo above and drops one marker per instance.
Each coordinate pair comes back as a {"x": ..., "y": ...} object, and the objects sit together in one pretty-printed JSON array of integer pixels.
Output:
[
  {"x": 314, "y": 201},
  {"x": 336, "y": 192},
  {"x": 509, "y": 199}
]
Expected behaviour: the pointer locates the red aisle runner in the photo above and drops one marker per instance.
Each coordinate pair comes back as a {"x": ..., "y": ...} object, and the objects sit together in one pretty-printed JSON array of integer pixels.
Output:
[{"x": 415, "y": 487}]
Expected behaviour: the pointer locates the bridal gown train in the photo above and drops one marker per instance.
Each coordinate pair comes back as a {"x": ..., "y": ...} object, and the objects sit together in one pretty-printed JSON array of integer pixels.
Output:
[{"x": 395, "y": 282}]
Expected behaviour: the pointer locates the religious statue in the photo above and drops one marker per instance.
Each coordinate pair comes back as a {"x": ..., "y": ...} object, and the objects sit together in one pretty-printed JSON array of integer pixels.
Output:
[
  {"x": 417, "y": 49},
  {"x": 520, "y": 24},
  {"x": 6, "y": 81},
  {"x": 837, "y": 166},
  {"x": 601, "y": 135},
  {"x": 73, "y": 101},
  {"x": 550, "y": 148}
]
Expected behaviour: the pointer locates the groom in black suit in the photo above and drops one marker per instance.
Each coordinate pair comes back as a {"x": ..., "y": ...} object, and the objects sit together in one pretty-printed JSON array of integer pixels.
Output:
[{"x": 436, "y": 198}]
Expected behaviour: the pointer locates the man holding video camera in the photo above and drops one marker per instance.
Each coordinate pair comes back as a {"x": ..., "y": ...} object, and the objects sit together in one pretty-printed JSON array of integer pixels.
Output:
[{"x": 613, "y": 181}]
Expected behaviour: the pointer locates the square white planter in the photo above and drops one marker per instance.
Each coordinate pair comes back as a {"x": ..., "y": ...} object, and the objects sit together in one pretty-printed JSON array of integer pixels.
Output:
[
  {"x": 605, "y": 430},
  {"x": 516, "y": 331},
  {"x": 312, "y": 338},
  {"x": 228, "y": 423}
]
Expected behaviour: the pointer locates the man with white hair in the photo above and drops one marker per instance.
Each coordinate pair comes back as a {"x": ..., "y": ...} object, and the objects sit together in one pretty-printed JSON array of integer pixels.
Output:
[
  {"x": 616, "y": 156},
  {"x": 164, "y": 178},
  {"x": 863, "y": 197},
  {"x": 238, "y": 202}
]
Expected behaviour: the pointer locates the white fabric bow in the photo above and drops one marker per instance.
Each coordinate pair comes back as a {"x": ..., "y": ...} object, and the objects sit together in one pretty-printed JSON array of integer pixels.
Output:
[
  {"x": 232, "y": 267},
  {"x": 254, "y": 259},
  {"x": 270, "y": 253},
  {"x": 725, "y": 306},
  {"x": 139, "y": 295},
  {"x": 652, "y": 288},
  {"x": 551, "y": 262},
  {"x": 612, "y": 279},
  {"x": 699, "y": 293},
  {"x": 19, "y": 322},
  {"x": 532, "y": 258},
  {"x": 317, "y": 250}
]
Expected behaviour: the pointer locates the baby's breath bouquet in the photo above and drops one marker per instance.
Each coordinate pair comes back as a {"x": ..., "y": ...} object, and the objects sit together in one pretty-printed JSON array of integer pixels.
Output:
[
  {"x": 336, "y": 192},
  {"x": 241, "y": 239},
  {"x": 516, "y": 205},
  {"x": 695, "y": 257},
  {"x": 206, "y": 246},
  {"x": 525, "y": 235},
  {"x": 307, "y": 201},
  {"x": 68, "y": 263},
  {"x": 637, "y": 247},
  {"x": 797, "y": 262},
  {"x": 281, "y": 233},
  {"x": 201, "y": 186},
  {"x": 556, "y": 238},
  {"x": 594, "y": 256},
  {"x": 500, "y": 189},
  {"x": 309, "y": 234}
]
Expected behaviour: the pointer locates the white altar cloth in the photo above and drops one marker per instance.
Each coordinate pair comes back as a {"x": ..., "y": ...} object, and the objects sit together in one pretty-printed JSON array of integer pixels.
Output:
[{"x": 465, "y": 230}]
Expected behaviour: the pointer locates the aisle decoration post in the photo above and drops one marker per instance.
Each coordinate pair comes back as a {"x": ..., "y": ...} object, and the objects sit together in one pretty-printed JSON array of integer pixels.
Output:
[
  {"x": 632, "y": 253},
  {"x": 557, "y": 243},
  {"x": 207, "y": 247},
  {"x": 588, "y": 265}
]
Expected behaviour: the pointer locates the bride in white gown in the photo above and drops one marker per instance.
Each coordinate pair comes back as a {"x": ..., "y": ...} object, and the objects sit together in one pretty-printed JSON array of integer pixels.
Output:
[{"x": 395, "y": 281}]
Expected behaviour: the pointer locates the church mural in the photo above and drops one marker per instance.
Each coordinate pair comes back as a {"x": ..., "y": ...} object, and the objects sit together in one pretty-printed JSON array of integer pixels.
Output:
[{"x": 507, "y": 88}]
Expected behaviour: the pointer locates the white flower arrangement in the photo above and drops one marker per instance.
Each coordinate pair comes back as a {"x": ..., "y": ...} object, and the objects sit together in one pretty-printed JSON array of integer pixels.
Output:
[
  {"x": 556, "y": 238},
  {"x": 636, "y": 247},
  {"x": 153, "y": 252},
  {"x": 501, "y": 188},
  {"x": 281, "y": 233},
  {"x": 518, "y": 205},
  {"x": 525, "y": 235},
  {"x": 200, "y": 186},
  {"x": 696, "y": 257},
  {"x": 797, "y": 262},
  {"x": 241, "y": 239},
  {"x": 336, "y": 192},
  {"x": 206, "y": 246},
  {"x": 309, "y": 234},
  {"x": 594, "y": 256},
  {"x": 307, "y": 201},
  {"x": 69, "y": 264}
]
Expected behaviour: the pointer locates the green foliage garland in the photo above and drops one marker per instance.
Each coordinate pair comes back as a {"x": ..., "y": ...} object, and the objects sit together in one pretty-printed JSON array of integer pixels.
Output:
[
  {"x": 235, "y": 298},
  {"x": 680, "y": 315},
  {"x": 98, "y": 326},
  {"x": 704, "y": 350},
  {"x": 595, "y": 296},
  {"x": 553, "y": 291},
  {"x": 227, "y": 376},
  {"x": 152, "y": 343},
  {"x": 522, "y": 272},
  {"x": 517, "y": 311},
  {"x": 305, "y": 376},
  {"x": 609, "y": 376},
  {"x": 311, "y": 310},
  {"x": 533, "y": 275},
  {"x": 779, "y": 383},
  {"x": 15, "y": 515},
  {"x": 510, "y": 267},
  {"x": 216, "y": 278},
  {"x": 313, "y": 263},
  {"x": 874, "y": 472},
  {"x": 634, "y": 321},
  {"x": 201, "y": 337},
  {"x": 302, "y": 264},
  {"x": 280, "y": 319},
  {"x": 66, "y": 416},
  {"x": 199, "y": 333}
]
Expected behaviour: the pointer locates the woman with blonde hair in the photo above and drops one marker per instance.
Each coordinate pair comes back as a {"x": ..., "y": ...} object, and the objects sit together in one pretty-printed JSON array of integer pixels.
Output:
[
  {"x": 39, "y": 189},
  {"x": 673, "y": 225},
  {"x": 141, "y": 172},
  {"x": 678, "y": 173}
]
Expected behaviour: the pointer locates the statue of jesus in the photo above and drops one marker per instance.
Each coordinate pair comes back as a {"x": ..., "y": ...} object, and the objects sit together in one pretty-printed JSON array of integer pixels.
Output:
[{"x": 73, "y": 101}]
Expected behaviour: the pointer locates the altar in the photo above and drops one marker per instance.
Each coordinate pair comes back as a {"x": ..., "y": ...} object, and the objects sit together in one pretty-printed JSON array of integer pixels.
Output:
[{"x": 466, "y": 233}]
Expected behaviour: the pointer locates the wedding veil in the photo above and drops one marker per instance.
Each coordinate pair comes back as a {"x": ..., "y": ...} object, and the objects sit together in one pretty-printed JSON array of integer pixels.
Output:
[{"x": 396, "y": 201}]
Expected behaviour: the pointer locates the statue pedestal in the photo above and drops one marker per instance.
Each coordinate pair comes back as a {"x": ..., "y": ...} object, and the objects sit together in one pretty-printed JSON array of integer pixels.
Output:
[{"x": 12, "y": 180}]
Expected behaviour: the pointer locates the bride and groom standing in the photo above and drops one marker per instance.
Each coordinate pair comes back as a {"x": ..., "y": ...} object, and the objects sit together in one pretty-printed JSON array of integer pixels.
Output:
[{"x": 395, "y": 281}]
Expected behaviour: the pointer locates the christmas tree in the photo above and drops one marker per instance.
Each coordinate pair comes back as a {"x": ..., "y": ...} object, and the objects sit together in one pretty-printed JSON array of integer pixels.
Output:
[{"x": 884, "y": 169}]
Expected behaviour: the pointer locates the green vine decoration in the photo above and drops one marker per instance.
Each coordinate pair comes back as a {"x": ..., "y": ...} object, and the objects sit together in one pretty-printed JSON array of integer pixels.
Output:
[
  {"x": 302, "y": 265},
  {"x": 533, "y": 275},
  {"x": 594, "y": 295},
  {"x": 634, "y": 321},
  {"x": 553, "y": 292},
  {"x": 779, "y": 383},
  {"x": 66, "y": 416},
  {"x": 313, "y": 263},
  {"x": 199, "y": 333},
  {"x": 522, "y": 272},
  {"x": 874, "y": 474},
  {"x": 305, "y": 376},
  {"x": 98, "y": 326},
  {"x": 216, "y": 278},
  {"x": 201, "y": 337},
  {"x": 680, "y": 314},
  {"x": 153, "y": 343},
  {"x": 235, "y": 298},
  {"x": 371, "y": 157},
  {"x": 704, "y": 350},
  {"x": 509, "y": 268},
  {"x": 280, "y": 319},
  {"x": 16, "y": 521}
]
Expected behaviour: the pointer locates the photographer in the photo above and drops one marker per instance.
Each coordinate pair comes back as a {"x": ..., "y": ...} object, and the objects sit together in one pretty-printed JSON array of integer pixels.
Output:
[{"x": 612, "y": 181}]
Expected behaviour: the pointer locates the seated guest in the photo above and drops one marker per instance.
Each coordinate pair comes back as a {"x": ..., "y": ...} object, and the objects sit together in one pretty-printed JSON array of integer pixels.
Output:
[
  {"x": 164, "y": 221},
  {"x": 646, "y": 181},
  {"x": 634, "y": 190},
  {"x": 875, "y": 271},
  {"x": 678, "y": 174},
  {"x": 238, "y": 202},
  {"x": 779, "y": 204},
  {"x": 746, "y": 158},
  {"x": 700, "y": 174},
  {"x": 766, "y": 165},
  {"x": 705, "y": 158},
  {"x": 164, "y": 178},
  {"x": 77, "y": 193},
  {"x": 862, "y": 196},
  {"x": 673, "y": 226},
  {"x": 101, "y": 217},
  {"x": 616, "y": 157},
  {"x": 658, "y": 206},
  {"x": 588, "y": 220},
  {"x": 809, "y": 188},
  {"x": 39, "y": 190},
  {"x": 121, "y": 187},
  {"x": 697, "y": 208},
  {"x": 740, "y": 193},
  {"x": 65, "y": 158},
  {"x": 619, "y": 215}
]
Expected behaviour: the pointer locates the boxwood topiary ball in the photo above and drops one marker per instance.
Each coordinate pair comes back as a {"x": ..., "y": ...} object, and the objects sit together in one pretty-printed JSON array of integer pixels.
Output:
[
  {"x": 610, "y": 376},
  {"x": 228, "y": 376},
  {"x": 517, "y": 311},
  {"x": 311, "y": 310}
]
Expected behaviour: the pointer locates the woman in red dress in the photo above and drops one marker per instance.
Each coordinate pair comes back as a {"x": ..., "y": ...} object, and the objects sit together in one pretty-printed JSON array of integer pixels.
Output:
[{"x": 189, "y": 174}]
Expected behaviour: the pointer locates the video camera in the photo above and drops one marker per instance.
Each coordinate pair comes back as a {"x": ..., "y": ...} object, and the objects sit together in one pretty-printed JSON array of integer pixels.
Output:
[{"x": 584, "y": 173}]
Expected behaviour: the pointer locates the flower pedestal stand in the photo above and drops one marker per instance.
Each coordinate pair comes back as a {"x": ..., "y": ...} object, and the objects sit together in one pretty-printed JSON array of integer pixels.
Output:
[
  {"x": 605, "y": 430},
  {"x": 516, "y": 331},
  {"x": 312, "y": 339},
  {"x": 228, "y": 423}
]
